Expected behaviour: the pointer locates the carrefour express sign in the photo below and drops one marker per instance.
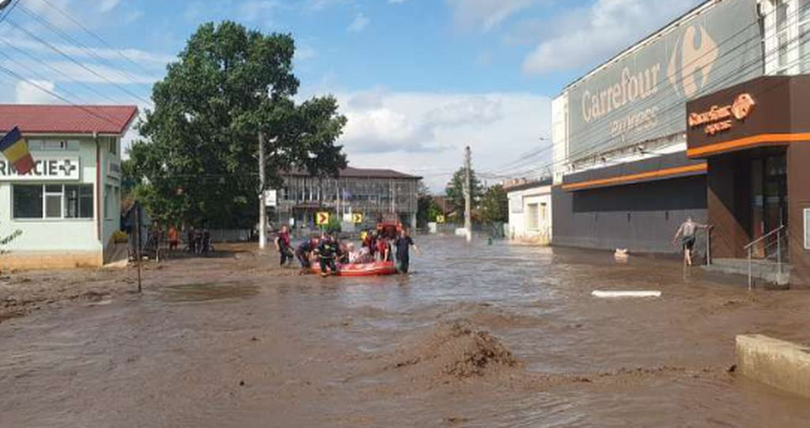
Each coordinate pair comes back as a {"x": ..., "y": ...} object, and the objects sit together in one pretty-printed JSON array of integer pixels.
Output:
[{"x": 643, "y": 96}]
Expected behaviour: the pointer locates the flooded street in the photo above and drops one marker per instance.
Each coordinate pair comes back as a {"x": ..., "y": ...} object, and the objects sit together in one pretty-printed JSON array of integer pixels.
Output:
[{"x": 477, "y": 336}]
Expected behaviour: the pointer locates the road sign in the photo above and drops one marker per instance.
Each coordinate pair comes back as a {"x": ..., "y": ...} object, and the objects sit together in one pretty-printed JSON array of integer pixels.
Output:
[
  {"x": 357, "y": 218},
  {"x": 322, "y": 218},
  {"x": 440, "y": 219}
]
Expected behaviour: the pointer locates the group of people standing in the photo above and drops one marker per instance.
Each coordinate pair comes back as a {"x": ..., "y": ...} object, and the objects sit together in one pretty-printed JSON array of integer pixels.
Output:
[{"x": 330, "y": 252}]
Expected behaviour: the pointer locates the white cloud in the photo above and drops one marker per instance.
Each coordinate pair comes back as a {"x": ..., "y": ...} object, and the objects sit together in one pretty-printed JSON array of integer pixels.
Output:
[
  {"x": 583, "y": 37},
  {"x": 259, "y": 10},
  {"x": 49, "y": 10},
  {"x": 485, "y": 14},
  {"x": 71, "y": 72},
  {"x": 425, "y": 133},
  {"x": 304, "y": 52},
  {"x": 146, "y": 58},
  {"x": 107, "y": 5},
  {"x": 31, "y": 92},
  {"x": 360, "y": 22}
]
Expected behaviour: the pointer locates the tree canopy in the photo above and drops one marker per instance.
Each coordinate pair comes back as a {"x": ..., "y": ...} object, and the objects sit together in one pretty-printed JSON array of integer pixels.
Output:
[
  {"x": 198, "y": 161},
  {"x": 455, "y": 191},
  {"x": 427, "y": 208},
  {"x": 495, "y": 205}
]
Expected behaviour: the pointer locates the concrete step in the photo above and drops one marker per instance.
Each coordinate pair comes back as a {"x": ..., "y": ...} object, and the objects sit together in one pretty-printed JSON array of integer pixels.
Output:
[{"x": 762, "y": 270}]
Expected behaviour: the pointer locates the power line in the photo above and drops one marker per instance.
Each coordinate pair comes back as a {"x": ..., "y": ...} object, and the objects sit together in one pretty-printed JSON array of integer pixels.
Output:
[
  {"x": 54, "y": 94},
  {"x": 88, "y": 51},
  {"x": 78, "y": 63},
  {"x": 720, "y": 81},
  {"x": 96, "y": 36}
]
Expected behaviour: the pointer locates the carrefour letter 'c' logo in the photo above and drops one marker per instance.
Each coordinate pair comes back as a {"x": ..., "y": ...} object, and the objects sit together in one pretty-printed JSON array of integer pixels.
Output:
[{"x": 690, "y": 56}]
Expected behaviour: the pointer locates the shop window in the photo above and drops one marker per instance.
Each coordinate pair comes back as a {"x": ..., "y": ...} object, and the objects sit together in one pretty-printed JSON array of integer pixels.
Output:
[
  {"x": 79, "y": 201},
  {"x": 53, "y": 201},
  {"x": 27, "y": 201}
]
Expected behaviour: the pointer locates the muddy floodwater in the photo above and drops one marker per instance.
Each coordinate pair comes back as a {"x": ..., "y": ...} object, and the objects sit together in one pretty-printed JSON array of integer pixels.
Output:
[{"x": 477, "y": 336}]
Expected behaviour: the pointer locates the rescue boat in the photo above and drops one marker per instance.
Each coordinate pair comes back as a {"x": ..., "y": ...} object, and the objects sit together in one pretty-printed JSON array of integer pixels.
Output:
[{"x": 362, "y": 269}]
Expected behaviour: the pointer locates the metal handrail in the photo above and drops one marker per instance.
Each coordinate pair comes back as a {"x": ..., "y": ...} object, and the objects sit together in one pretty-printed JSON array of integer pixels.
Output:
[
  {"x": 761, "y": 238},
  {"x": 749, "y": 249}
]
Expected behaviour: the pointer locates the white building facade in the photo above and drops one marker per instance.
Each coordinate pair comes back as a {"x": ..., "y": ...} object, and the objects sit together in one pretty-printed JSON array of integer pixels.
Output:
[
  {"x": 530, "y": 212},
  {"x": 68, "y": 208}
]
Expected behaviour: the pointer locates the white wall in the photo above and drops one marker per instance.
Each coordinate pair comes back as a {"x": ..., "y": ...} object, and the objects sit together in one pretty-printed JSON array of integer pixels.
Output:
[
  {"x": 559, "y": 136},
  {"x": 520, "y": 203},
  {"x": 58, "y": 234}
]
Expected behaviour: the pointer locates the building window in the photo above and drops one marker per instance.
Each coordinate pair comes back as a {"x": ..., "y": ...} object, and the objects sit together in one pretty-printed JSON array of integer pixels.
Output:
[
  {"x": 27, "y": 201},
  {"x": 782, "y": 35},
  {"x": 53, "y": 145},
  {"x": 53, "y": 201},
  {"x": 804, "y": 35},
  {"x": 532, "y": 217},
  {"x": 113, "y": 145},
  {"x": 79, "y": 201},
  {"x": 108, "y": 202}
]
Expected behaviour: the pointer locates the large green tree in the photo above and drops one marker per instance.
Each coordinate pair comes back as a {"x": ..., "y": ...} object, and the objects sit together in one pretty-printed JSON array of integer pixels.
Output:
[
  {"x": 427, "y": 208},
  {"x": 198, "y": 160},
  {"x": 495, "y": 205},
  {"x": 455, "y": 191}
]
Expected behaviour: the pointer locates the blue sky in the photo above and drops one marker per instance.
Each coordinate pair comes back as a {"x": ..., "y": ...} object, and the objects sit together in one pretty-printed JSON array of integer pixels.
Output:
[{"x": 418, "y": 79}]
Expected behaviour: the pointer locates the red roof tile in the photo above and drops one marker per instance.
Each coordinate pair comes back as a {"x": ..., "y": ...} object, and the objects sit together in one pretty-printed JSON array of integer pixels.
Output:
[{"x": 66, "y": 119}]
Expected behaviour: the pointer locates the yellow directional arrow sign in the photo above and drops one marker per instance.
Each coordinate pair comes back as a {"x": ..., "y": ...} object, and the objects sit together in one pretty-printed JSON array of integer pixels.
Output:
[{"x": 322, "y": 218}]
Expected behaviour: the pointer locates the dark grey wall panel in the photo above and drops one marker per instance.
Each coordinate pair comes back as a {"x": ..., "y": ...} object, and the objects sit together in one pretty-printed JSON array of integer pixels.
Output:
[{"x": 641, "y": 217}]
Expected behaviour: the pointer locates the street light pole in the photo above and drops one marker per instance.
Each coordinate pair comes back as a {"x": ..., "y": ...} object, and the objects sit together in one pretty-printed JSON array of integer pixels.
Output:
[
  {"x": 262, "y": 196},
  {"x": 468, "y": 194}
]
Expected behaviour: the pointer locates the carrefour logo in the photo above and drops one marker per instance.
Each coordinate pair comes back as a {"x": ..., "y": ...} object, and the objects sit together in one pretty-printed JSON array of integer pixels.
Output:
[{"x": 692, "y": 61}]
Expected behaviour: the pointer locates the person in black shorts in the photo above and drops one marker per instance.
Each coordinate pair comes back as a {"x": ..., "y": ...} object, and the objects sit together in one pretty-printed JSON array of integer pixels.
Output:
[{"x": 687, "y": 232}]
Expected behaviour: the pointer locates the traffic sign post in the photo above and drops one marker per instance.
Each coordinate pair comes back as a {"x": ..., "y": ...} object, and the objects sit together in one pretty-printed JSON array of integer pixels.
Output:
[{"x": 322, "y": 218}]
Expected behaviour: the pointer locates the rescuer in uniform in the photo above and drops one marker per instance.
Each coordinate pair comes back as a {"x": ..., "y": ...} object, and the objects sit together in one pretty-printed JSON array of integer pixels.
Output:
[{"x": 328, "y": 252}]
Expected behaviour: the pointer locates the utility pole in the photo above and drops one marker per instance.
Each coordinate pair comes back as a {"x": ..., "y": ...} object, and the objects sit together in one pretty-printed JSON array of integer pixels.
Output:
[
  {"x": 468, "y": 194},
  {"x": 262, "y": 196}
]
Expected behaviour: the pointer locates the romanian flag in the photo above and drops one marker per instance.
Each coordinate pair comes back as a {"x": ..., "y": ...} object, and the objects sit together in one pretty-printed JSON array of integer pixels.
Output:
[{"x": 16, "y": 151}]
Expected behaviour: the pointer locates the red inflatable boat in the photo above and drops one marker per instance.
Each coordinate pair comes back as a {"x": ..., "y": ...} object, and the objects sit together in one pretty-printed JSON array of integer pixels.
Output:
[{"x": 362, "y": 269}]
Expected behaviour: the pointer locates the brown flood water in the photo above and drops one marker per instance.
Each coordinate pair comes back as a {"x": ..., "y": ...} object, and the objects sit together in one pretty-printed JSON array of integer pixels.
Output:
[{"x": 477, "y": 336}]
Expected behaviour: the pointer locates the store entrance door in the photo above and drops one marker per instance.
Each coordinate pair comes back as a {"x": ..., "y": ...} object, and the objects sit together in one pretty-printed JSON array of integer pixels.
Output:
[{"x": 769, "y": 207}]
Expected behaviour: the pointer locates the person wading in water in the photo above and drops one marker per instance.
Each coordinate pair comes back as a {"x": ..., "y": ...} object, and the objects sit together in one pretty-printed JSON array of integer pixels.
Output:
[
  {"x": 283, "y": 246},
  {"x": 687, "y": 233},
  {"x": 403, "y": 244}
]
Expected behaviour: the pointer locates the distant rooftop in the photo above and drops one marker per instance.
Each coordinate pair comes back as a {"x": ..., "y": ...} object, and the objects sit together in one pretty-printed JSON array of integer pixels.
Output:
[
  {"x": 67, "y": 119},
  {"x": 351, "y": 172}
]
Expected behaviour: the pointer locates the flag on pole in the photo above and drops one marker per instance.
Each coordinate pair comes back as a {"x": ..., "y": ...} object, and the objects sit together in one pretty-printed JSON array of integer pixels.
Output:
[{"x": 16, "y": 151}]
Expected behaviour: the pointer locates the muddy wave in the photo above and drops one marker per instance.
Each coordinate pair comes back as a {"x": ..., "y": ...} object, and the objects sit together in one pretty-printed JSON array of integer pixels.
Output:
[{"x": 454, "y": 351}]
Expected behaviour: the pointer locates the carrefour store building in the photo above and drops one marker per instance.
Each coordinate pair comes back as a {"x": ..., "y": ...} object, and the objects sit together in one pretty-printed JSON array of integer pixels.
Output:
[
  {"x": 68, "y": 207},
  {"x": 704, "y": 118}
]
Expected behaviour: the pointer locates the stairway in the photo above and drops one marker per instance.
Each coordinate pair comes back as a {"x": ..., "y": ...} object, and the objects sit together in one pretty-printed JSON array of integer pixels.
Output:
[{"x": 766, "y": 271}]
